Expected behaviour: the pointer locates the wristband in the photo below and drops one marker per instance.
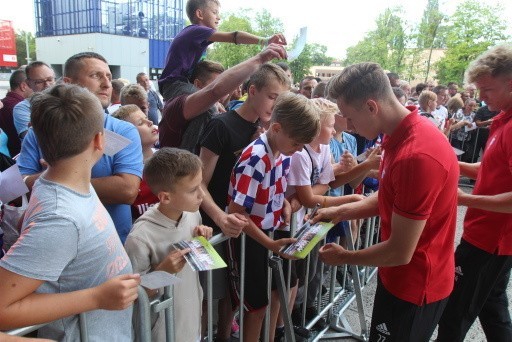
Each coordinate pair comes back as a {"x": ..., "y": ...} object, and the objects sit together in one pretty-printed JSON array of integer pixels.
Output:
[
  {"x": 25, "y": 180},
  {"x": 235, "y": 34}
]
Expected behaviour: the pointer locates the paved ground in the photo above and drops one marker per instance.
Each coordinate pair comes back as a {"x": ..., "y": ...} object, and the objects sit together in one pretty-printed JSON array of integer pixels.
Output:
[{"x": 474, "y": 335}]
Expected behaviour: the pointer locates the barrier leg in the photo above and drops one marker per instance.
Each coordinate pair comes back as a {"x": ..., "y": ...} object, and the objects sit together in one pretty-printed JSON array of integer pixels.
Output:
[
  {"x": 209, "y": 286},
  {"x": 144, "y": 315},
  {"x": 276, "y": 264}
]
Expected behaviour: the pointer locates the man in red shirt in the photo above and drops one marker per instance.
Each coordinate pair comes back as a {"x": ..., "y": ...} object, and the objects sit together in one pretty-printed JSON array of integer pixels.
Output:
[
  {"x": 417, "y": 202},
  {"x": 483, "y": 259}
]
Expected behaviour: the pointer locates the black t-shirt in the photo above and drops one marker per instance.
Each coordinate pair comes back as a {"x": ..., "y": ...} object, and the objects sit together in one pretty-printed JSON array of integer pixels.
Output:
[
  {"x": 484, "y": 114},
  {"x": 226, "y": 135}
]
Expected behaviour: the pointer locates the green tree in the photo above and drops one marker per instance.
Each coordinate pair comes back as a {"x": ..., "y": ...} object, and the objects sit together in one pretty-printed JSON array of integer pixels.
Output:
[
  {"x": 313, "y": 54},
  {"x": 262, "y": 24},
  {"x": 384, "y": 45},
  {"x": 431, "y": 33},
  {"x": 21, "y": 47},
  {"x": 474, "y": 28}
]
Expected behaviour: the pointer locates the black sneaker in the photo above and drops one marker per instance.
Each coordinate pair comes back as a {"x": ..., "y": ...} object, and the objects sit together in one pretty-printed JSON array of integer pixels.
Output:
[
  {"x": 279, "y": 335},
  {"x": 312, "y": 313}
]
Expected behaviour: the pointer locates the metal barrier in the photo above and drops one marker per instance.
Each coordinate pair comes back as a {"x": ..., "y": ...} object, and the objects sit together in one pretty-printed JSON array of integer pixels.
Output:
[
  {"x": 471, "y": 146},
  {"x": 82, "y": 321},
  {"x": 332, "y": 305}
]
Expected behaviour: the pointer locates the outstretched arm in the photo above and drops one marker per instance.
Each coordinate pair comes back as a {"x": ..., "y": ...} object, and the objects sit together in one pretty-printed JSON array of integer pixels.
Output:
[
  {"x": 241, "y": 37},
  {"x": 21, "y": 306},
  {"x": 198, "y": 102},
  {"x": 397, "y": 250},
  {"x": 230, "y": 224}
]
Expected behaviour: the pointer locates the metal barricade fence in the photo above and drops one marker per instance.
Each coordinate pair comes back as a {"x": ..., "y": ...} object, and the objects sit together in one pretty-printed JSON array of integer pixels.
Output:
[
  {"x": 472, "y": 145},
  {"x": 332, "y": 305},
  {"x": 82, "y": 321}
]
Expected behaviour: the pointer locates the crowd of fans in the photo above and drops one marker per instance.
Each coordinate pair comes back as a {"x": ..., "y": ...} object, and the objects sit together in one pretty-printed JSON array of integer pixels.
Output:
[{"x": 238, "y": 151}]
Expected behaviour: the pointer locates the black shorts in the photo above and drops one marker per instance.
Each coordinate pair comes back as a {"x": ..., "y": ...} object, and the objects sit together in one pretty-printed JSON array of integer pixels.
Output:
[
  {"x": 220, "y": 284},
  {"x": 256, "y": 268},
  {"x": 281, "y": 234},
  {"x": 394, "y": 319}
]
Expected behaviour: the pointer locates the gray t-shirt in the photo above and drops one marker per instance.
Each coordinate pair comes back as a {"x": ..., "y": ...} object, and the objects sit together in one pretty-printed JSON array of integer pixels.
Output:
[{"x": 70, "y": 242}]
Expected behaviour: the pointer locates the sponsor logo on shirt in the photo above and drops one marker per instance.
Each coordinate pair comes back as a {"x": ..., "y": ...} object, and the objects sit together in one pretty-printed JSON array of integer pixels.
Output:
[
  {"x": 382, "y": 328},
  {"x": 458, "y": 272}
]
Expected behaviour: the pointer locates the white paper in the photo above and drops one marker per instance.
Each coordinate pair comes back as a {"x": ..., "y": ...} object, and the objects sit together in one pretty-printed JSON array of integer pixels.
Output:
[
  {"x": 457, "y": 151},
  {"x": 362, "y": 157},
  {"x": 11, "y": 184},
  {"x": 473, "y": 126},
  {"x": 158, "y": 279},
  {"x": 300, "y": 43},
  {"x": 114, "y": 143}
]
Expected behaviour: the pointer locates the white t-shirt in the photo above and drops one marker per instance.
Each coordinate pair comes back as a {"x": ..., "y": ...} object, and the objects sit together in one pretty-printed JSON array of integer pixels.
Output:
[
  {"x": 306, "y": 170},
  {"x": 440, "y": 115}
]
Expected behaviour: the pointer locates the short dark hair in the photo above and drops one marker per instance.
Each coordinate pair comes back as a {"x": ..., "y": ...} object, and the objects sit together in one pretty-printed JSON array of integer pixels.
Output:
[
  {"x": 74, "y": 63},
  {"x": 420, "y": 87},
  {"x": 33, "y": 65},
  {"x": 204, "y": 69},
  {"x": 17, "y": 78},
  {"x": 398, "y": 92},
  {"x": 393, "y": 76},
  {"x": 283, "y": 65},
  {"x": 439, "y": 88},
  {"x": 167, "y": 166},
  {"x": 193, "y": 5},
  {"x": 117, "y": 86},
  {"x": 65, "y": 119},
  {"x": 307, "y": 78},
  {"x": 139, "y": 75}
]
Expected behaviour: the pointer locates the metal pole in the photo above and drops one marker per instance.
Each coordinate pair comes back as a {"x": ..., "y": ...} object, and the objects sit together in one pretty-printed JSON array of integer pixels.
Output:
[
  {"x": 209, "y": 282},
  {"x": 276, "y": 264},
  {"x": 144, "y": 315},
  {"x": 27, "y": 48},
  {"x": 242, "y": 285}
]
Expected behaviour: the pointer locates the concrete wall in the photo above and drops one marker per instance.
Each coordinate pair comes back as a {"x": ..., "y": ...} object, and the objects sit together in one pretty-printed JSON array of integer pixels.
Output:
[{"x": 127, "y": 56}]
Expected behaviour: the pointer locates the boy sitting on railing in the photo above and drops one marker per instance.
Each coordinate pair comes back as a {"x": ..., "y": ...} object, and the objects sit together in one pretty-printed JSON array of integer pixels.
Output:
[
  {"x": 175, "y": 177},
  {"x": 69, "y": 258}
]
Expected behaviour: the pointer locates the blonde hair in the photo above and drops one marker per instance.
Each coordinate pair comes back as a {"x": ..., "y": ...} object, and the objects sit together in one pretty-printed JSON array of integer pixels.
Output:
[
  {"x": 298, "y": 116},
  {"x": 326, "y": 108},
  {"x": 425, "y": 96},
  {"x": 134, "y": 91},
  {"x": 495, "y": 62},
  {"x": 124, "y": 112}
]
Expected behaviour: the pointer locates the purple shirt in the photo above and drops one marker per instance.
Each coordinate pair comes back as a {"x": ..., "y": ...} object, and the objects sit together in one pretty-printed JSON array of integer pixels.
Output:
[{"x": 187, "y": 48}]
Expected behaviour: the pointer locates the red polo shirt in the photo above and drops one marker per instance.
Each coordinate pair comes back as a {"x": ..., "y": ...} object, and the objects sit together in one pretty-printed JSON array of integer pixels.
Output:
[
  {"x": 419, "y": 177},
  {"x": 491, "y": 231}
]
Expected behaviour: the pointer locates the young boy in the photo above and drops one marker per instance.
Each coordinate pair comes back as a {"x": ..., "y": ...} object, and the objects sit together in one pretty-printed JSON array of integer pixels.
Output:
[
  {"x": 175, "y": 177},
  {"x": 148, "y": 137},
  {"x": 223, "y": 139},
  {"x": 257, "y": 188},
  {"x": 310, "y": 174},
  {"x": 69, "y": 258},
  {"x": 189, "y": 46}
]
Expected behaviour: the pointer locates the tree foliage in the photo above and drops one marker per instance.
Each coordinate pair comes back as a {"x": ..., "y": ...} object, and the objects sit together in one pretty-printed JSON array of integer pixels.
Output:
[
  {"x": 21, "y": 47},
  {"x": 264, "y": 25},
  {"x": 474, "y": 28},
  {"x": 384, "y": 45}
]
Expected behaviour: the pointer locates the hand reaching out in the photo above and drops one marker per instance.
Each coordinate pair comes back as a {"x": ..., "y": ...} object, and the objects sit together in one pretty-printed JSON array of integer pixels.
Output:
[{"x": 204, "y": 231}]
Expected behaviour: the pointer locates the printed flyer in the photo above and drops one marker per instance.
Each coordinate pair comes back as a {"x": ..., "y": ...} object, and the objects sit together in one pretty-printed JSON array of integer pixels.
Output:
[
  {"x": 307, "y": 237},
  {"x": 202, "y": 255}
]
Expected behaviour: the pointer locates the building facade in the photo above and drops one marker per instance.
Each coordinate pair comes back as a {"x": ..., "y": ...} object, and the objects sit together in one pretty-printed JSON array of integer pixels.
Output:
[{"x": 133, "y": 35}]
